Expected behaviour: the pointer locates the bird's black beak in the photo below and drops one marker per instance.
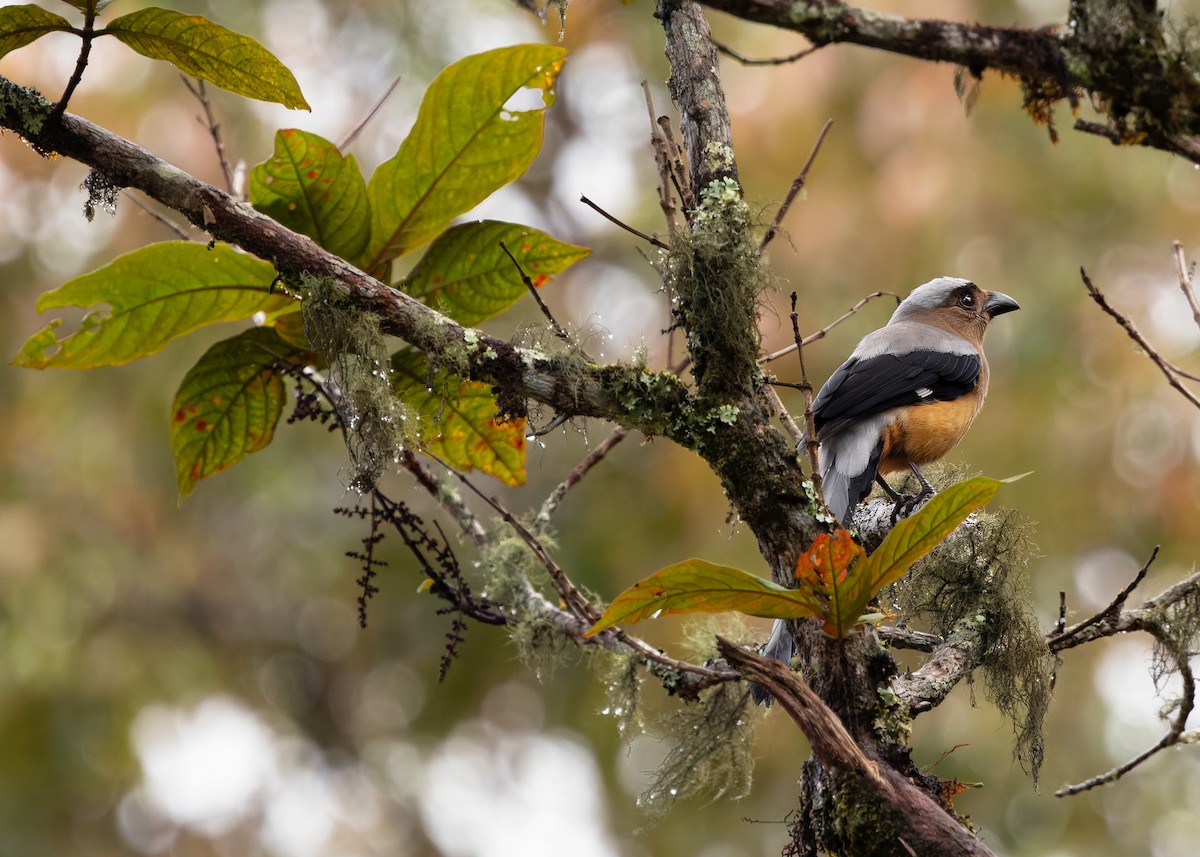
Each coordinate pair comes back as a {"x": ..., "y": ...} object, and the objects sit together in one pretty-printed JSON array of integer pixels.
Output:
[{"x": 999, "y": 303}]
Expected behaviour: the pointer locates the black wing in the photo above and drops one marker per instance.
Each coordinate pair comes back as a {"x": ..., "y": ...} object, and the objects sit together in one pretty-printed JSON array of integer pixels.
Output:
[{"x": 863, "y": 388}]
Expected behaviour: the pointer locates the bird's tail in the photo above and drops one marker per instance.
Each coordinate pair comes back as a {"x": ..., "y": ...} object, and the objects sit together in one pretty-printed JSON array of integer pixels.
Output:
[{"x": 780, "y": 646}]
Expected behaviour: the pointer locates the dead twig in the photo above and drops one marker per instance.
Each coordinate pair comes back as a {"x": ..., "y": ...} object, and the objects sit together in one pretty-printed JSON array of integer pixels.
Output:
[
  {"x": 214, "y": 130},
  {"x": 578, "y": 472},
  {"x": 812, "y": 443},
  {"x": 745, "y": 60},
  {"x": 554, "y": 325},
  {"x": 659, "y": 244},
  {"x": 797, "y": 186},
  {"x": 1186, "y": 275},
  {"x": 662, "y": 159},
  {"x": 1059, "y": 638},
  {"x": 1170, "y": 372},
  {"x": 358, "y": 129},
  {"x": 824, "y": 331},
  {"x": 165, "y": 221}
]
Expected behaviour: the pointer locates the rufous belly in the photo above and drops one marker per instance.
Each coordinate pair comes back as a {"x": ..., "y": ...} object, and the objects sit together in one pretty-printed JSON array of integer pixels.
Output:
[{"x": 921, "y": 434}]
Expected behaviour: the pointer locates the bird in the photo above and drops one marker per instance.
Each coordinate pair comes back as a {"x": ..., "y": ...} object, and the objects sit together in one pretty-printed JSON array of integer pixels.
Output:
[
  {"x": 905, "y": 397},
  {"x": 907, "y": 394}
]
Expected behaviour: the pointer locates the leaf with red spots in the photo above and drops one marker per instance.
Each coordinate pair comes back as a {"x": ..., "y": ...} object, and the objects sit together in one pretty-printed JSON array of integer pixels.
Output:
[
  {"x": 479, "y": 128},
  {"x": 457, "y": 420},
  {"x": 696, "y": 586},
  {"x": 831, "y": 569},
  {"x": 200, "y": 48},
  {"x": 466, "y": 274},
  {"x": 309, "y": 187},
  {"x": 228, "y": 404},
  {"x": 152, "y": 295}
]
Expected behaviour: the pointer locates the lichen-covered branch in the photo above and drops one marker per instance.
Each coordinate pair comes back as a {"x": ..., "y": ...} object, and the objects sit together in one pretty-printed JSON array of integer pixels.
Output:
[
  {"x": 655, "y": 403},
  {"x": 1121, "y": 55}
]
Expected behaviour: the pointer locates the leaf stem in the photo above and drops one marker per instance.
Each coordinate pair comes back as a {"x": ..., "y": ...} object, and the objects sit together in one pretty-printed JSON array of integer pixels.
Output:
[{"x": 86, "y": 35}]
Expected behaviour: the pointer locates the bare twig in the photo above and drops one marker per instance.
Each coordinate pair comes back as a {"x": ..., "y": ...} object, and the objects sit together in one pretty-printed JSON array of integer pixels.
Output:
[
  {"x": 449, "y": 499},
  {"x": 785, "y": 418},
  {"x": 797, "y": 186},
  {"x": 353, "y": 135},
  {"x": 679, "y": 173},
  {"x": 745, "y": 60},
  {"x": 659, "y": 244},
  {"x": 554, "y": 325},
  {"x": 161, "y": 218},
  {"x": 1186, "y": 275},
  {"x": 578, "y": 472},
  {"x": 201, "y": 94},
  {"x": 902, "y": 638},
  {"x": 662, "y": 158},
  {"x": 812, "y": 443},
  {"x": 1114, "y": 608},
  {"x": 824, "y": 331},
  {"x": 1169, "y": 371}
]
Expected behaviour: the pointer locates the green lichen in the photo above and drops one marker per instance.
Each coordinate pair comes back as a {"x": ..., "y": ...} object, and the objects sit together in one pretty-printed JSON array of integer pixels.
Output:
[{"x": 32, "y": 110}]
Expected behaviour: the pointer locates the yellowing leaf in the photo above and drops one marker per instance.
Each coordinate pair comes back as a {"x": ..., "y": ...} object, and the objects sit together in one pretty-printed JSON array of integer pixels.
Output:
[
  {"x": 227, "y": 405},
  {"x": 310, "y": 188},
  {"x": 153, "y": 295},
  {"x": 458, "y": 420},
  {"x": 469, "y": 139},
  {"x": 200, "y": 48},
  {"x": 290, "y": 326},
  {"x": 20, "y": 25},
  {"x": 469, "y": 277},
  {"x": 915, "y": 536},
  {"x": 696, "y": 586}
]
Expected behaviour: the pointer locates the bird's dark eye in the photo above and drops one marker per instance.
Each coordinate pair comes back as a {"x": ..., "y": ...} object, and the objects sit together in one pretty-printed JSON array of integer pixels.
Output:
[{"x": 967, "y": 301}]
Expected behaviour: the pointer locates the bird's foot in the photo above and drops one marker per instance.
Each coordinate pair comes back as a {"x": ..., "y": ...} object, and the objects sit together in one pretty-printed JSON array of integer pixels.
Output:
[{"x": 906, "y": 504}]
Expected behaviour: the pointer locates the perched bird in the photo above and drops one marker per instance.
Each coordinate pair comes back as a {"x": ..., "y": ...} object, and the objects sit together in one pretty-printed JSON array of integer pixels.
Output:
[{"x": 907, "y": 394}]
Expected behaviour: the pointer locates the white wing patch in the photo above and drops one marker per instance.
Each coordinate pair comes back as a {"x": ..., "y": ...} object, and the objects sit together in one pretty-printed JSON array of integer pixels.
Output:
[{"x": 924, "y": 392}]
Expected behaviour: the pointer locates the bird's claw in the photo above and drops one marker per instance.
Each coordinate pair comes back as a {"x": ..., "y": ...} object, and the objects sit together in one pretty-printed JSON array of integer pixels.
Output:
[{"x": 906, "y": 504}]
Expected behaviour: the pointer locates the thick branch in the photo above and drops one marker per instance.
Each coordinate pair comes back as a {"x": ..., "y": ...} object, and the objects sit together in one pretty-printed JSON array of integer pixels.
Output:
[
  {"x": 921, "y": 825},
  {"x": 578, "y": 389}
]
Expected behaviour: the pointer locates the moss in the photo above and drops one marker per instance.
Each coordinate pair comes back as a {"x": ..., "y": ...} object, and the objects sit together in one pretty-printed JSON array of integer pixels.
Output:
[
  {"x": 621, "y": 675},
  {"x": 710, "y": 749},
  {"x": 352, "y": 345},
  {"x": 978, "y": 579},
  {"x": 32, "y": 110}
]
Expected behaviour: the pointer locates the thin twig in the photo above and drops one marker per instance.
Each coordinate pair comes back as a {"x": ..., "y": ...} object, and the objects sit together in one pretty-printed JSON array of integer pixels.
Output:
[
  {"x": 1186, "y": 274},
  {"x": 87, "y": 34},
  {"x": 201, "y": 94},
  {"x": 812, "y": 443},
  {"x": 745, "y": 60},
  {"x": 797, "y": 186},
  {"x": 679, "y": 173},
  {"x": 578, "y": 472},
  {"x": 902, "y": 638},
  {"x": 353, "y": 135},
  {"x": 785, "y": 418},
  {"x": 824, "y": 331},
  {"x": 1059, "y": 638},
  {"x": 161, "y": 218},
  {"x": 1169, "y": 372},
  {"x": 659, "y": 244},
  {"x": 449, "y": 500},
  {"x": 662, "y": 158},
  {"x": 554, "y": 325}
]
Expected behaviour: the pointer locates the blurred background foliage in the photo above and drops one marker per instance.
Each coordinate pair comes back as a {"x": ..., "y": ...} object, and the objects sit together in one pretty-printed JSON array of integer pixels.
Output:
[{"x": 189, "y": 678}]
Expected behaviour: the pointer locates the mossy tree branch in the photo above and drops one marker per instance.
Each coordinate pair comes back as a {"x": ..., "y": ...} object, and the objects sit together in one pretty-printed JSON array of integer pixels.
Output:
[{"x": 1121, "y": 55}]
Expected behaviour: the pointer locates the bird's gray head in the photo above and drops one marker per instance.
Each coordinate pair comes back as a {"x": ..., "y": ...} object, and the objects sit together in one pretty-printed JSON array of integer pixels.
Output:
[{"x": 953, "y": 303}]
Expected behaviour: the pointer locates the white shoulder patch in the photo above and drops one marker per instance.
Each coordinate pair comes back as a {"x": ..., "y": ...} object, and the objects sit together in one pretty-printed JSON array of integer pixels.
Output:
[{"x": 924, "y": 392}]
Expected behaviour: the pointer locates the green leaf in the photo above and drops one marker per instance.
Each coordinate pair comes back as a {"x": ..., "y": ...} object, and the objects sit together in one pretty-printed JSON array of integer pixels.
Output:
[
  {"x": 20, "y": 25},
  {"x": 227, "y": 405},
  {"x": 458, "y": 421},
  {"x": 154, "y": 295},
  {"x": 469, "y": 277},
  {"x": 290, "y": 326},
  {"x": 696, "y": 586},
  {"x": 915, "y": 536},
  {"x": 310, "y": 188},
  {"x": 200, "y": 48},
  {"x": 465, "y": 144}
]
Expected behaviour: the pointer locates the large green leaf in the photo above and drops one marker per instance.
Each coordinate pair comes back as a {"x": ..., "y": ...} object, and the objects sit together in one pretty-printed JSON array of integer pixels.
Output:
[
  {"x": 200, "y": 48},
  {"x": 20, "y": 25},
  {"x": 696, "y": 586},
  {"x": 227, "y": 405},
  {"x": 469, "y": 277},
  {"x": 915, "y": 536},
  {"x": 310, "y": 188},
  {"x": 458, "y": 420},
  {"x": 154, "y": 295},
  {"x": 465, "y": 144}
]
